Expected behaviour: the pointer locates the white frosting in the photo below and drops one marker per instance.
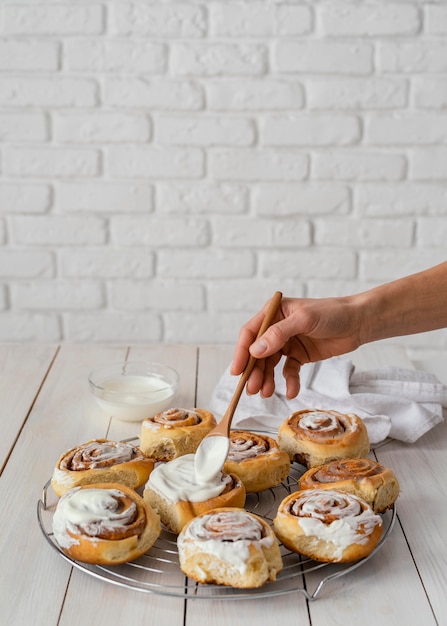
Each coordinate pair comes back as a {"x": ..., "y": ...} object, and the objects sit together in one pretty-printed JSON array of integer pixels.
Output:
[
  {"x": 226, "y": 535},
  {"x": 67, "y": 479},
  {"x": 176, "y": 480},
  {"x": 89, "y": 512}
]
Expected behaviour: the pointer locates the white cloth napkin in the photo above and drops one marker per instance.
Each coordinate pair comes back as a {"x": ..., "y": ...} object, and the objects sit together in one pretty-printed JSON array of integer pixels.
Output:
[{"x": 393, "y": 401}]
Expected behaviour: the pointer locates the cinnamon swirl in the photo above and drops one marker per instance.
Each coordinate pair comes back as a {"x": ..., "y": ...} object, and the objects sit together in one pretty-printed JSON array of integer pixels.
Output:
[
  {"x": 104, "y": 524},
  {"x": 328, "y": 525},
  {"x": 229, "y": 546},
  {"x": 257, "y": 460},
  {"x": 173, "y": 491},
  {"x": 373, "y": 482},
  {"x": 175, "y": 432},
  {"x": 101, "y": 461},
  {"x": 314, "y": 437}
]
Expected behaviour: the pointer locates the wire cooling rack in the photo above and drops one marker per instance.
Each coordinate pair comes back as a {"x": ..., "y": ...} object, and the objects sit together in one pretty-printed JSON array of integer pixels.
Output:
[{"x": 159, "y": 572}]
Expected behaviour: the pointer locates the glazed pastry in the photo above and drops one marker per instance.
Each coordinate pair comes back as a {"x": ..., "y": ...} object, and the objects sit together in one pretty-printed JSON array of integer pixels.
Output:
[
  {"x": 229, "y": 546},
  {"x": 328, "y": 525},
  {"x": 173, "y": 491},
  {"x": 365, "y": 478},
  {"x": 101, "y": 461},
  {"x": 313, "y": 437},
  {"x": 175, "y": 432},
  {"x": 104, "y": 524},
  {"x": 257, "y": 460}
]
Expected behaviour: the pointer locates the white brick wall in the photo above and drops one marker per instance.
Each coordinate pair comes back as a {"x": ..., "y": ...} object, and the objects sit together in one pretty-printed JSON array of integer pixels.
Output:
[{"x": 166, "y": 166}]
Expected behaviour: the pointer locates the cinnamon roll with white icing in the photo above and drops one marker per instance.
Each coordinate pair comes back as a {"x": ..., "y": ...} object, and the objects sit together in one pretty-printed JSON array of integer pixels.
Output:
[
  {"x": 257, "y": 460},
  {"x": 314, "y": 437},
  {"x": 101, "y": 461},
  {"x": 328, "y": 525},
  {"x": 175, "y": 432},
  {"x": 229, "y": 546},
  {"x": 175, "y": 493},
  {"x": 104, "y": 524}
]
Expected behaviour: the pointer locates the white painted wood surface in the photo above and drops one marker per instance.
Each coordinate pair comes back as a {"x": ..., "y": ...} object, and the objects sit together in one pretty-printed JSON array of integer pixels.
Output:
[{"x": 46, "y": 408}]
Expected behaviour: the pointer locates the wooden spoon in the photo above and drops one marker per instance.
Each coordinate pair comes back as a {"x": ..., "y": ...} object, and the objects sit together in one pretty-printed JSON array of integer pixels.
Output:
[{"x": 213, "y": 450}]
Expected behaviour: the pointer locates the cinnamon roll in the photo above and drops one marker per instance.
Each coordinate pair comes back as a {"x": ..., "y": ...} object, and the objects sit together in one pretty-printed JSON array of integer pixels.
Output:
[
  {"x": 101, "y": 461},
  {"x": 174, "y": 492},
  {"x": 328, "y": 525},
  {"x": 229, "y": 546},
  {"x": 314, "y": 437},
  {"x": 373, "y": 482},
  {"x": 175, "y": 432},
  {"x": 104, "y": 524},
  {"x": 257, "y": 460}
]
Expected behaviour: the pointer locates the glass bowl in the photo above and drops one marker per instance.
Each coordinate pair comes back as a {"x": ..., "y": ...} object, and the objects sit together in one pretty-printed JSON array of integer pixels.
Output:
[{"x": 133, "y": 390}]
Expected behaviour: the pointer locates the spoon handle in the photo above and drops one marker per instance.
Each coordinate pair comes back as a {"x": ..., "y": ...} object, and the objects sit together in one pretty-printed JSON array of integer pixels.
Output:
[{"x": 224, "y": 425}]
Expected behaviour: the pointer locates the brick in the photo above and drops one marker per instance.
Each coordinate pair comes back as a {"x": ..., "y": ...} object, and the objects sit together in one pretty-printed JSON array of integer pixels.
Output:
[
  {"x": 431, "y": 232},
  {"x": 23, "y": 127},
  {"x": 51, "y": 161},
  {"x": 412, "y": 57},
  {"x": 150, "y": 162},
  {"x": 255, "y": 19},
  {"x": 267, "y": 164},
  {"x": 293, "y": 20},
  {"x": 24, "y": 197},
  {"x": 311, "y": 130},
  {"x": 210, "y": 263},
  {"x": 154, "y": 94},
  {"x": 52, "y": 20},
  {"x": 370, "y": 20},
  {"x": 171, "y": 20},
  {"x": 116, "y": 56},
  {"x": 24, "y": 326},
  {"x": 198, "y": 198},
  {"x": 436, "y": 20},
  {"x": 150, "y": 231},
  {"x": 262, "y": 233},
  {"x": 430, "y": 92},
  {"x": 254, "y": 94},
  {"x": 327, "y": 57},
  {"x": 106, "y": 262},
  {"x": 406, "y": 129},
  {"x": 156, "y": 295},
  {"x": 386, "y": 265},
  {"x": 366, "y": 233},
  {"x": 57, "y": 295},
  {"x": 111, "y": 326},
  {"x": 203, "y": 327},
  {"x": 218, "y": 59},
  {"x": 357, "y": 93},
  {"x": 58, "y": 230},
  {"x": 101, "y": 127},
  {"x": 274, "y": 199},
  {"x": 308, "y": 263},
  {"x": 55, "y": 91},
  {"x": 358, "y": 165},
  {"x": 248, "y": 295},
  {"x": 26, "y": 263},
  {"x": 401, "y": 199},
  {"x": 104, "y": 196},
  {"x": 27, "y": 56},
  {"x": 204, "y": 131},
  {"x": 428, "y": 164}
]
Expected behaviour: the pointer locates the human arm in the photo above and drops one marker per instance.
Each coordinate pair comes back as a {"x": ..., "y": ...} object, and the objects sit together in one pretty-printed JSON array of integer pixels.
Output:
[{"x": 308, "y": 330}]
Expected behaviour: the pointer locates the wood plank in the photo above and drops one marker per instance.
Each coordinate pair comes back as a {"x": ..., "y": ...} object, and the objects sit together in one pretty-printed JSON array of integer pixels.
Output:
[{"x": 22, "y": 370}]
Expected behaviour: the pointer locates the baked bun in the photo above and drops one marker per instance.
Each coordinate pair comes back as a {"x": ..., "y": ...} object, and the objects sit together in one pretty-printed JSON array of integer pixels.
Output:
[
  {"x": 257, "y": 460},
  {"x": 229, "y": 546},
  {"x": 104, "y": 524},
  {"x": 364, "y": 478},
  {"x": 175, "y": 432},
  {"x": 328, "y": 525},
  {"x": 314, "y": 437},
  {"x": 173, "y": 491},
  {"x": 101, "y": 461}
]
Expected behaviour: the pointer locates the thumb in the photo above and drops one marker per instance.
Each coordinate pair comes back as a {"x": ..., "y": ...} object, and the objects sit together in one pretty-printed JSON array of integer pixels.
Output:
[{"x": 272, "y": 340}]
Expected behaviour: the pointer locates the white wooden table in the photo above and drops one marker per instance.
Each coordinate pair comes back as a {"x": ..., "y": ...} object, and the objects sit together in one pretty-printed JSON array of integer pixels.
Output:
[{"x": 46, "y": 408}]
